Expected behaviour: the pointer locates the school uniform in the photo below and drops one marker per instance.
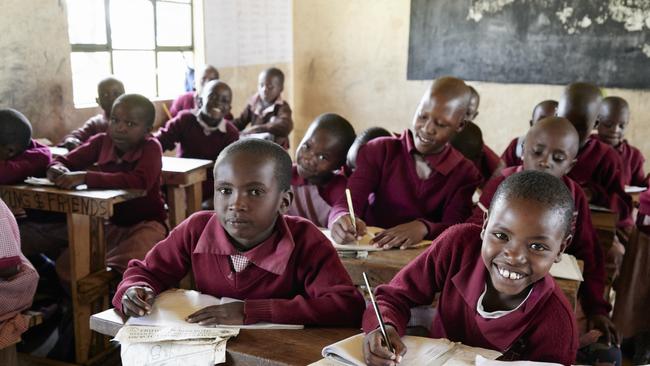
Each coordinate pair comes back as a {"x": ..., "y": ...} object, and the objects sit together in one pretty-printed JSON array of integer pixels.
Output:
[
  {"x": 314, "y": 202},
  {"x": 599, "y": 169},
  {"x": 17, "y": 291},
  {"x": 293, "y": 277},
  {"x": 633, "y": 160},
  {"x": 197, "y": 140},
  {"x": 434, "y": 189},
  {"x": 94, "y": 125},
  {"x": 584, "y": 244},
  {"x": 182, "y": 103},
  {"x": 512, "y": 155},
  {"x": 542, "y": 328},
  {"x": 276, "y": 118},
  {"x": 31, "y": 162},
  {"x": 489, "y": 163},
  {"x": 137, "y": 224}
]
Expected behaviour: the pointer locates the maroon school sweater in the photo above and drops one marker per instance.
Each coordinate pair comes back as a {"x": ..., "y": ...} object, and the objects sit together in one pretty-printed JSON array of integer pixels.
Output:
[
  {"x": 314, "y": 202},
  {"x": 632, "y": 158},
  {"x": 295, "y": 276},
  {"x": 510, "y": 156},
  {"x": 32, "y": 162},
  {"x": 94, "y": 125},
  {"x": 600, "y": 169},
  {"x": 386, "y": 168},
  {"x": 139, "y": 168},
  {"x": 184, "y": 102},
  {"x": 185, "y": 130},
  {"x": 488, "y": 164},
  {"x": 584, "y": 245},
  {"x": 542, "y": 329}
]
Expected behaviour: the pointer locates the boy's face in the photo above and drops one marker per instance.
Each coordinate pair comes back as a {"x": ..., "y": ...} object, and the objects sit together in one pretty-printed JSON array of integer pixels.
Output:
[
  {"x": 108, "y": 92},
  {"x": 611, "y": 124},
  {"x": 128, "y": 127},
  {"x": 269, "y": 87},
  {"x": 583, "y": 116},
  {"x": 436, "y": 121},
  {"x": 216, "y": 103},
  {"x": 319, "y": 154},
  {"x": 550, "y": 152},
  {"x": 247, "y": 198},
  {"x": 521, "y": 241}
]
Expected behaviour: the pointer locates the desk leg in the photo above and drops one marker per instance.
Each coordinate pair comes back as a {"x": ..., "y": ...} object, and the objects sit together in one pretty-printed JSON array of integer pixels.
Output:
[
  {"x": 176, "y": 203},
  {"x": 194, "y": 197}
]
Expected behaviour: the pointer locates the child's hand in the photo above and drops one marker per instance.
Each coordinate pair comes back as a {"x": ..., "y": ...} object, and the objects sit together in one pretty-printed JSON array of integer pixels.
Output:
[
  {"x": 343, "y": 230},
  {"x": 71, "y": 143},
  {"x": 375, "y": 352},
  {"x": 55, "y": 171},
  {"x": 606, "y": 326},
  {"x": 7, "y": 273},
  {"x": 403, "y": 236},
  {"x": 231, "y": 313},
  {"x": 70, "y": 180},
  {"x": 137, "y": 301}
]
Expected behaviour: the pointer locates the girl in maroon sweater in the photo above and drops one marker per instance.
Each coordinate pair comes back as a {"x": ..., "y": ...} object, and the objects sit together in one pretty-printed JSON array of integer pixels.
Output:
[
  {"x": 282, "y": 266},
  {"x": 495, "y": 289}
]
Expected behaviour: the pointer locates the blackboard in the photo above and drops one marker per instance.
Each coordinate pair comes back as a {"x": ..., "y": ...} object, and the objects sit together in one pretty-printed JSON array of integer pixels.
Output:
[{"x": 532, "y": 41}]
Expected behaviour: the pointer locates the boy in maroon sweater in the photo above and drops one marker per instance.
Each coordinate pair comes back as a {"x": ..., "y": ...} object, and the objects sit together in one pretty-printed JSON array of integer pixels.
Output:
[
  {"x": 283, "y": 267},
  {"x": 127, "y": 157},
  {"x": 362, "y": 139},
  {"x": 107, "y": 91},
  {"x": 203, "y": 134},
  {"x": 20, "y": 155},
  {"x": 318, "y": 181},
  {"x": 612, "y": 121},
  {"x": 599, "y": 168},
  {"x": 187, "y": 101},
  {"x": 551, "y": 146},
  {"x": 515, "y": 150},
  {"x": 495, "y": 289},
  {"x": 421, "y": 184},
  {"x": 267, "y": 113}
]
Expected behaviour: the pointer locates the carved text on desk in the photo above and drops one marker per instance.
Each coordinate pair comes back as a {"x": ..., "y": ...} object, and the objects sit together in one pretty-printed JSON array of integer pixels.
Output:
[{"x": 55, "y": 202}]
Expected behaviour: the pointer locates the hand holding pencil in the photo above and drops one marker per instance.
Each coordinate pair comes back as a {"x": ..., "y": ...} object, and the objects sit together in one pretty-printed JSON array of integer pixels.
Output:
[{"x": 348, "y": 228}]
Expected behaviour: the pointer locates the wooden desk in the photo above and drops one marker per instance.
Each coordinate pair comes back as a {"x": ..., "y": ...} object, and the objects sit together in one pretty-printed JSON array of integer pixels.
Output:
[
  {"x": 382, "y": 266},
  {"x": 183, "y": 178},
  {"x": 257, "y": 347},
  {"x": 86, "y": 212},
  {"x": 604, "y": 221}
]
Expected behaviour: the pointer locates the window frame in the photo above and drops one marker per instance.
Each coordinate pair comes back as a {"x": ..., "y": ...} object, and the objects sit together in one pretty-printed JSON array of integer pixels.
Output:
[{"x": 108, "y": 46}]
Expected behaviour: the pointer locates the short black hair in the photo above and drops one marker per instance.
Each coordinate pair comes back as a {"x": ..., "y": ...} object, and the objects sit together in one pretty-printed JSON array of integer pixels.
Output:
[
  {"x": 338, "y": 127},
  {"x": 540, "y": 187},
  {"x": 14, "y": 128},
  {"x": 108, "y": 80},
  {"x": 275, "y": 72},
  {"x": 264, "y": 150},
  {"x": 140, "y": 102},
  {"x": 469, "y": 141},
  {"x": 616, "y": 102},
  {"x": 371, "y": 133}
]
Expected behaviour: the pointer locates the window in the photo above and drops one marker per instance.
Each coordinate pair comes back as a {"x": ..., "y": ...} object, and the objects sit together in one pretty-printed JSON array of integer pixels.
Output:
[{"x": 147, "y": 44}]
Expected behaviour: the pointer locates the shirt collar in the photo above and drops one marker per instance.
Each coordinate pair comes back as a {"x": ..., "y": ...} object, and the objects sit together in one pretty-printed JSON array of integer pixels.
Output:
[
  {"x": 108, "y": 154},
  {"x": 470, "y": 282},
  {"x": 442, "y": 162},
  {"x": 258, "y": 105},
  {"x": 208, "y": 130},
  {"x": 271, "y": 255}
]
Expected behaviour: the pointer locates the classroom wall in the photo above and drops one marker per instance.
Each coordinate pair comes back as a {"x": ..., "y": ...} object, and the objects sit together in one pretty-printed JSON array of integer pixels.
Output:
[
  {"x": 350, "y": 57},
  {"x": 35, "y": 75}
]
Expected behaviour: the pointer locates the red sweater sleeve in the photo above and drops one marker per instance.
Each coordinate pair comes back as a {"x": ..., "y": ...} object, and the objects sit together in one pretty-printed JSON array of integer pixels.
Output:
[
  {"x": 166, "y": 263},
  {"x": 638, "y": 175},
  {"x": 414, "y": 285},
  {"x": 31, "y": 162},
  {"x": 244, "y": 118},
  {"x": 281, "y": 124},
  {"x": 93, "y": 126},
  {"x": 144, "y": 176},
  {"x": 83, "y": 156},
  {"x": 170, "y": 134},
  {"x": 329, "y": 296}
]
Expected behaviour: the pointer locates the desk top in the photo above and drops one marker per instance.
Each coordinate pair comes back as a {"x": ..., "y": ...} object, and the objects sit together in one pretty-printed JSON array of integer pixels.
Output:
[
  {"x": 171, "y": 164},
  {"x": 254, "y": 347},
  {"x": 86, "y": 202}
]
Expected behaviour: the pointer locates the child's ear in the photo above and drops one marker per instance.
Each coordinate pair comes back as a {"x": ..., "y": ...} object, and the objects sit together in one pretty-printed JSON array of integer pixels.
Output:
[
  {"x": 461, "y": 125},
  {"x": 565, "y": 244},
  {"x": 571, "y": 165},
  {"x": 285, "y": 201},
  {"x": 486, "y": 217},
  {"x": 97, "y": 100},
  {"x": 531, "y": 123}
]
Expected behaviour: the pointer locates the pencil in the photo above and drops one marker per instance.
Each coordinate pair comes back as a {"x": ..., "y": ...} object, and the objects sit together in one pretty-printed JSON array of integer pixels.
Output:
[
  {"x": 382, "y": 326},
  {"x": 169, "y": 115},
  {"x": 351, "y": 209}
]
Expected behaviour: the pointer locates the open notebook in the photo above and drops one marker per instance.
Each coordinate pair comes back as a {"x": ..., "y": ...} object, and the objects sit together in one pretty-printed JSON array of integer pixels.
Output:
[
  {"x": 567, "y": 268},
  {"x": 420, "y": 351},
  {"x": 363, "y": 244},
  {"x": 172, "y": 307}
]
